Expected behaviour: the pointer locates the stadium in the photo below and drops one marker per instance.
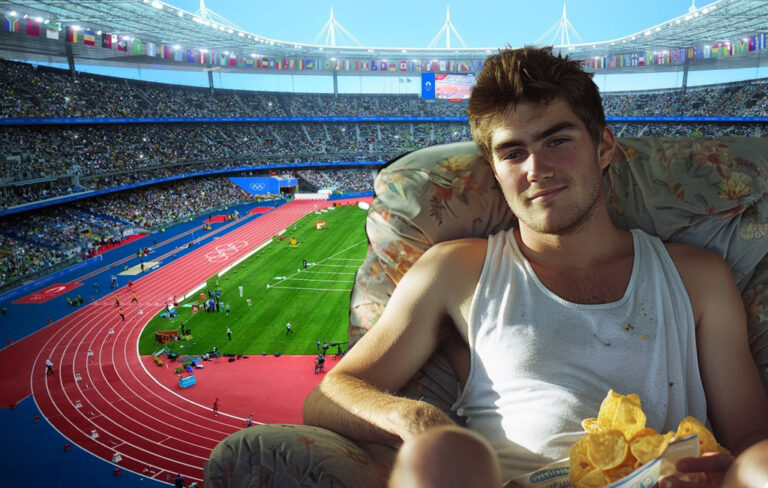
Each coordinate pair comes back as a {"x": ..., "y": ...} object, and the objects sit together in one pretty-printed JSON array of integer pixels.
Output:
[{"x": 153, "y": 233}]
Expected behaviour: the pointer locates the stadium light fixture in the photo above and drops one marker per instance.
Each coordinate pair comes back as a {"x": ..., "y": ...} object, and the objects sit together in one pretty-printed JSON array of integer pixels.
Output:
[
  {"x": 14, "y": 13},
  {"x": 157, "y": 5},
  {"x": 47, "y": 21},
  {"x": 177, "y": 47},
  {"x": 241, "y": 34},
  {"x": 98, "y": 33},
  {"x": 181, "y": 14}
]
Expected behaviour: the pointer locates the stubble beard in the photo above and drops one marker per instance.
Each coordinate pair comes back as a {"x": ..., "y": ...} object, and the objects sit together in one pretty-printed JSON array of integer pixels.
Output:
[{"x": 568, "y": 221}]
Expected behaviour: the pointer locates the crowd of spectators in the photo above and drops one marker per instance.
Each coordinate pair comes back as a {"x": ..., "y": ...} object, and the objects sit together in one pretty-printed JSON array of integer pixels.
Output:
[
  {"x": 350, "y": 180},
  {"x": 40, "y": 162},
  {"x": 34, "y": 241}
]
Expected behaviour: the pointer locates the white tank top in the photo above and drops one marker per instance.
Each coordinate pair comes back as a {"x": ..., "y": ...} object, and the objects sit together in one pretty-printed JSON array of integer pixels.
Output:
[{"x": 541, "y": 364}]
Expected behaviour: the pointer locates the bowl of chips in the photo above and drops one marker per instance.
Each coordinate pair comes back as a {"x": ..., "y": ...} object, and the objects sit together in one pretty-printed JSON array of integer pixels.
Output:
[{"x": 617, "y": 442}]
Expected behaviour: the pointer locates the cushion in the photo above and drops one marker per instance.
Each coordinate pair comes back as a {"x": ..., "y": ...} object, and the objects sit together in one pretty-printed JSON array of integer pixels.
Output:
[{"x": 709, "y": 192}]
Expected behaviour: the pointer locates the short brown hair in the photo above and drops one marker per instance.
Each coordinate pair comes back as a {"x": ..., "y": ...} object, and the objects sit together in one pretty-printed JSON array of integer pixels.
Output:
[{"x": 531, "y": 74}]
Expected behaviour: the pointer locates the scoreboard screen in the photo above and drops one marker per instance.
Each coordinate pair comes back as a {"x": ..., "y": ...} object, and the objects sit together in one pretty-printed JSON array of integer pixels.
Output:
[{"x": 447, "y": 86}]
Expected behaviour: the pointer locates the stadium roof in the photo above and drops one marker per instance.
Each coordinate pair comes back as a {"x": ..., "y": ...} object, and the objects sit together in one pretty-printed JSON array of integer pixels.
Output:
[{"x": 158, "y": 22}]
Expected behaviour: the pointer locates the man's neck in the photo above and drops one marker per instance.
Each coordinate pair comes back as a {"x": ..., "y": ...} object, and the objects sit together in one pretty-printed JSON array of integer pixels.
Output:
[{"x": 595, "y": 244}]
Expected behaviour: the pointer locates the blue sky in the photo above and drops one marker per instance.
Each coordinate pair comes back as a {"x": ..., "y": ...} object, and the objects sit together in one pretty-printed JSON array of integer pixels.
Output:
[{"x": 414, "y": 23}]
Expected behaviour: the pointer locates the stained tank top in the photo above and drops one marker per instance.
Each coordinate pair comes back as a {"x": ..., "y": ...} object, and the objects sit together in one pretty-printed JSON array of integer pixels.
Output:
[{"x": 541, "y": 364}]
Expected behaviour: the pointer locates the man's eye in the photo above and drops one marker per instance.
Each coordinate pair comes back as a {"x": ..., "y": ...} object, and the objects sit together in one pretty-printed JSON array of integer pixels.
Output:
[
  {"x": 512, "y": 155},
  {"x": 558, "y": 141}
]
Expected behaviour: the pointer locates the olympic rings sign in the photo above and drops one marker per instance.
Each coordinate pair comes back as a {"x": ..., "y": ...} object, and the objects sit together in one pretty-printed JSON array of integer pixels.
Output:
[{"x": 223, "y": 251}]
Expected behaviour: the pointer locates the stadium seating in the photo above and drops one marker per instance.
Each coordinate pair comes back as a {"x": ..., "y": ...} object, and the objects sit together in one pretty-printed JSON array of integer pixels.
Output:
[{"x": 708, "y": 192}]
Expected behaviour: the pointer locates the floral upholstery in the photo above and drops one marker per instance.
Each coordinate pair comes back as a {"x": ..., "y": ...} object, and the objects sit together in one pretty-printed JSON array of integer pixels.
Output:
[{"x": 710, "y": 192}]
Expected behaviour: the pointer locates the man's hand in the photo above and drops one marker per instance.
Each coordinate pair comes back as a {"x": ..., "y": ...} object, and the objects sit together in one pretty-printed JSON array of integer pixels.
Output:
[
  {"x": 711, "y": 468},
  {"x": 748, "y": 470}
]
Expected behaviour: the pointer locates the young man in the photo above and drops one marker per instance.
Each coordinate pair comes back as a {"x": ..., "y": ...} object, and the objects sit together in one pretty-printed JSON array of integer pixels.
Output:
[{"x": 534, "y": 318}]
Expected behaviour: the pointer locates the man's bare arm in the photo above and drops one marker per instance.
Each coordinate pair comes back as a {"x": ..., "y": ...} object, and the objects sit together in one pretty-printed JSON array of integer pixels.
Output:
[
  {"x": 356, "y": 398},
  {"x": 736, "y": 399}
]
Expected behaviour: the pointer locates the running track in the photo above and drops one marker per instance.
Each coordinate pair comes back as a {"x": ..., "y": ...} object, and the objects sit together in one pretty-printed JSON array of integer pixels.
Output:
[{"x": 155, "y": 432}]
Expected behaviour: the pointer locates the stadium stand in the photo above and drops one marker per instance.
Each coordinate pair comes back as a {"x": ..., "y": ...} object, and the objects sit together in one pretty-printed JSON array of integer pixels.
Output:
[{"x": 43, "y": 162}]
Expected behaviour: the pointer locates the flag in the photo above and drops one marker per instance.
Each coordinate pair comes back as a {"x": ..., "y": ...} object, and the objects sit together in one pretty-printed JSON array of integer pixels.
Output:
[
  {"x": 403, "y": 65},
  {"x": 89, "y": 37},
  {"x": 190, "y": 56},
  {"x": 151, "y": 49},
  {"x": 232, "y": 60},
  {"x": 310, "y": 64},
  {"x": 741, "y": 46},
  {"x": 11, "y": 23},
  {"x": 442, "y": 66},
  {"x": 165, "y": 51},
  {"x": 122, "y": 43},
  {"x": 138, "y": 47},
  {"x": 52, "y": 30},
  {"x": 178, "y": 55},
  {"x": 106, "y": 41},
  {"x": 33, "y": 27},
  {"x": 71, "y": 34}
]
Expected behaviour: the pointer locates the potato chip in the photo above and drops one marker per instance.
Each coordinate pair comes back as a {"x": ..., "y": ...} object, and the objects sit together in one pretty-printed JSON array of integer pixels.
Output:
[
  {"x": 590, "y": 425},
  {"x": 579, "y": 463},
  {"x": 649, "y": 444},
  {"x": 608, "y": 411},
  {"x": 621, "y": 470},
  {"x": 593, "y": 479},
  {"x": 691, "y": 425},
  {"x": 621, "y": 412},
  {"x": 606, "y": 450},
  {"x": 630, "y": 418}
]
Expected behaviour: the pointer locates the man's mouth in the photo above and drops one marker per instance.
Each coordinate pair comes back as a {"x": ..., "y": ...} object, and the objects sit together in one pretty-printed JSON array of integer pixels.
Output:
[{"x": 546, "y": 194}]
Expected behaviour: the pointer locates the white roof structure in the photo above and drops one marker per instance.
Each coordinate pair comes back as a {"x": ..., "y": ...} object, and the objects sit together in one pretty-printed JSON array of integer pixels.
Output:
[{"x": 159, "y": 23}]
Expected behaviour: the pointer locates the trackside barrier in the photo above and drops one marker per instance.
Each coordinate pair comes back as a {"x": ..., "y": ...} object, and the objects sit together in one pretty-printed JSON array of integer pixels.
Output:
[
  {"x": 346, "y": 196},
  {"x": 197, "y": 289}
]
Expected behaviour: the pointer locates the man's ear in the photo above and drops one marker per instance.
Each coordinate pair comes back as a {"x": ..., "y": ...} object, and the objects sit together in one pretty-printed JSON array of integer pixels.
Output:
[{"x": 607, "y": 147}]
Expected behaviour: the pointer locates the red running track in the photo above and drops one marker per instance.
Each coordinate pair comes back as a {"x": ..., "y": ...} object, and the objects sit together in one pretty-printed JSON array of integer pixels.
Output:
[{"x": 102, "y": 386}]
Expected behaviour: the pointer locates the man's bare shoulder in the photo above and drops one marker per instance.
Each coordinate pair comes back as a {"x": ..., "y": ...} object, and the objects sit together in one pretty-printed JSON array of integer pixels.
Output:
[
  {"x": 456, "y": 256},
  {"x": 695, "y": 261},
  {"x": 706, "y": 276}
]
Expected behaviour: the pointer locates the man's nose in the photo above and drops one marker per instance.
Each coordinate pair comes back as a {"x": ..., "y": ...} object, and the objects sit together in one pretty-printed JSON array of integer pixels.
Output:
[{"x": 539, "y": 167}]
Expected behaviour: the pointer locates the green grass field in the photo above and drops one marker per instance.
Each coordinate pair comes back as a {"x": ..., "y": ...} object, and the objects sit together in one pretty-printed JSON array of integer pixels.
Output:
[{"x": 315, "y": 300}]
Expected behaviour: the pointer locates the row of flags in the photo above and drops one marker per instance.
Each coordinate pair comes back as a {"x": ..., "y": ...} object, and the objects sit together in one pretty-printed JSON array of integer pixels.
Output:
[
  {"x": 676, "y": 56},
  {"x": 54, "y": 30}
]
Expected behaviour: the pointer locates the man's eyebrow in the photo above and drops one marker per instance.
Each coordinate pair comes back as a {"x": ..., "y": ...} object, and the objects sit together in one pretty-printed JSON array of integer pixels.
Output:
[{"x": 542, "y": 135}]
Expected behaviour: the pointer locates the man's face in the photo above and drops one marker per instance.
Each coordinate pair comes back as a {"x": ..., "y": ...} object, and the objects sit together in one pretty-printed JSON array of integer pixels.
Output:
[{"x": 548, "y": 167}]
